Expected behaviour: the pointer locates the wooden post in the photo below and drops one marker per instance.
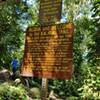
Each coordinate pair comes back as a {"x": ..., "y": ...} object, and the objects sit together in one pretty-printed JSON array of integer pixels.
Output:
[{"x": 44, "y": 89}]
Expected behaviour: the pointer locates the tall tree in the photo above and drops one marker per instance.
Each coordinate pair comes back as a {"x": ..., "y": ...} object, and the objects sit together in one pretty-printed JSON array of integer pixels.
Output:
[{"x": 91, "y": 86}]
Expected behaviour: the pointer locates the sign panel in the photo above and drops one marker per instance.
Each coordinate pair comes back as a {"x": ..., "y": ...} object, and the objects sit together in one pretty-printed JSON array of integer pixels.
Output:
[
  {"x": 50, "y": 11},
  {"x": 48, "y": 52}
]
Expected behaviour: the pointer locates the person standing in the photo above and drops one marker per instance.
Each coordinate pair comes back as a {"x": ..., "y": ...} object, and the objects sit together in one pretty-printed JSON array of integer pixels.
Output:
[{"x": 14, "y": 65}]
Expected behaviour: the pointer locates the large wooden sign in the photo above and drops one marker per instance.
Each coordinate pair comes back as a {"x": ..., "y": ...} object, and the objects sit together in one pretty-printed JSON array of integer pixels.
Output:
[
  {"x": 50, "y": 11},
  {"x": 48, "y": 52}
]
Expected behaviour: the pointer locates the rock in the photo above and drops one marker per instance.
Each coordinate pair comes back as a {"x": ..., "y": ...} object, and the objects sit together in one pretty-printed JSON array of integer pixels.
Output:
[
  {"x": 17, "y": 81},
  {"x": 35, "y": 92},
  {"x": 4, "y": 75},
  {"x": 53, "y": 96},
  {"x": 28, "y": 98},
  {"x": 18, "y": 73}
]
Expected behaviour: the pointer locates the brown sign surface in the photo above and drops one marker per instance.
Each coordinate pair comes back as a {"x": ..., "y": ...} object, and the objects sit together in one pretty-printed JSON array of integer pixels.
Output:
[
  {"x": 48, "y": 52},
  {"x": 50, "y": 11}
]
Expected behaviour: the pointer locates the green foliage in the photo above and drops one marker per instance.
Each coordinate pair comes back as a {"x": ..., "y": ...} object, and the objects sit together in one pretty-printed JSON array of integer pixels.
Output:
[
  {"x": 10, "y": 33},
  {"x": 73, "y": 8},
  {"x": 91, "y": 86},
  {"x": 9, "y": 92},
  {"x": 96, "y": 21}
]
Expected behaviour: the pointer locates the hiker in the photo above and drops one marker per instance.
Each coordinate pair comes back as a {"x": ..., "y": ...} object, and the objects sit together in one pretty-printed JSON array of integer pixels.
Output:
[{"x": 14, "y": 65}]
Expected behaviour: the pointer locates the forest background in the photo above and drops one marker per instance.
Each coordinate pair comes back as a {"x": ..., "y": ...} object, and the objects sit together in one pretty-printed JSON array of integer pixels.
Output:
[{"x": 17, "y": 15}]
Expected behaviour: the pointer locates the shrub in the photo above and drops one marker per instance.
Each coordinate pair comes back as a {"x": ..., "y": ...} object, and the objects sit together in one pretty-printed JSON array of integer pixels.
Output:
[{"x": 10, "y": 92}]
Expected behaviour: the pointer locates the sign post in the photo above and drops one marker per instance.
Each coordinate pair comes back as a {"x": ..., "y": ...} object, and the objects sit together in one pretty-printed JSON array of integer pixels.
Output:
[
  {"x": 44, "y": 89},
  {"x": 48, "y": 48},
  {"x": 50, "y": 12},
  {"x": 48, "y": 53}
]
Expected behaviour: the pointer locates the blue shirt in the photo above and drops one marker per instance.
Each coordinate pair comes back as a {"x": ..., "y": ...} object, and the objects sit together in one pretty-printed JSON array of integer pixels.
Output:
[{"x": 14, "y": 63}]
